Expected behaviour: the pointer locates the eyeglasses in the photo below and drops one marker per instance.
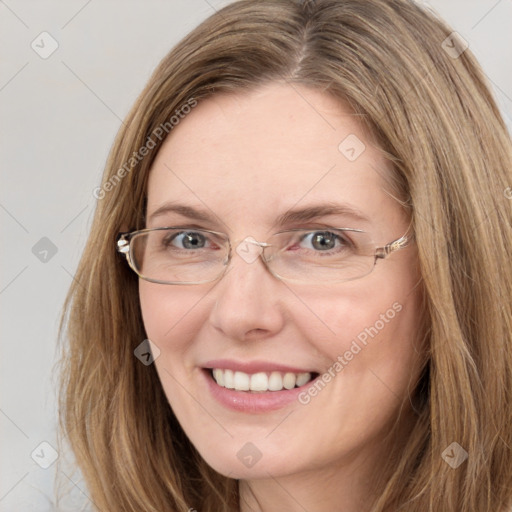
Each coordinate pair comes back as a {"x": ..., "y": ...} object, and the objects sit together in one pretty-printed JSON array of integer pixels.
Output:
[{"x": 176, "y": 255}]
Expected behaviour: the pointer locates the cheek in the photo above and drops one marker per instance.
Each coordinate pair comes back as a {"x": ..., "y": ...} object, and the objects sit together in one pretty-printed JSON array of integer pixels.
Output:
[
  {"x": 371, "y": 327},
  {"x": 338, "y": 319},
  {"x": 170, "y": 314},
  {"x": 372, "y": 360}
]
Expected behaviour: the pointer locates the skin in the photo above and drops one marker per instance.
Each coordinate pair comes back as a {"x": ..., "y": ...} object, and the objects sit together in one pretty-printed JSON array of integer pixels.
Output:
[{"x": 247, "y": 158}]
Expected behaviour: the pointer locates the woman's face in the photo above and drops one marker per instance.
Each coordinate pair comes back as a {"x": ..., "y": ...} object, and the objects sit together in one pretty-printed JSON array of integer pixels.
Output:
[{"x": 239, "y": 163}]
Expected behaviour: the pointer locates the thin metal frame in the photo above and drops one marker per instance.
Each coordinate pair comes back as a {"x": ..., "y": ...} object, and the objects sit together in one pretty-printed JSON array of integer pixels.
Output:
[{"x": 124, "y": 239}]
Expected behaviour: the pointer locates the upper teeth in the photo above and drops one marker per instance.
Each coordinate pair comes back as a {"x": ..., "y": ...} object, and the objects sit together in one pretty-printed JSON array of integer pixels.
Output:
[{"x": 262, "y": 381}]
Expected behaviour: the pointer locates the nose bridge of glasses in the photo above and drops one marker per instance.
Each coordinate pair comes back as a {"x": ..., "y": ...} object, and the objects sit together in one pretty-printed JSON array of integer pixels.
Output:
[
  {"x": 249, "y": 249},
  {"x": 253, "y": 241}
]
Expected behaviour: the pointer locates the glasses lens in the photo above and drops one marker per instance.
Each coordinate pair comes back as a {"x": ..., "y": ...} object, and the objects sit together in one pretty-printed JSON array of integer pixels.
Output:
[
  {"x": 321, "y": 256},
  {"x": 179, "y": 255}
]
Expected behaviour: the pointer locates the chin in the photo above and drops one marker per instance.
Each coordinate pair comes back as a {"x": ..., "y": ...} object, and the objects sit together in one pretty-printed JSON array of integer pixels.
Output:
[{"x": 248, "y": 463}]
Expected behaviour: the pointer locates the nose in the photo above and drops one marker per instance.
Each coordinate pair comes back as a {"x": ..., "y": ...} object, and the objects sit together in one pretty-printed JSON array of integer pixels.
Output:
[{"x": 248, "y": 300}]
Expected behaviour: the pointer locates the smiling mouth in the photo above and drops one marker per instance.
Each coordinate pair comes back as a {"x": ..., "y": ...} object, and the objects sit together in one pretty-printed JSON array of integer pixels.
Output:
[{"x": 260, "y": 382}]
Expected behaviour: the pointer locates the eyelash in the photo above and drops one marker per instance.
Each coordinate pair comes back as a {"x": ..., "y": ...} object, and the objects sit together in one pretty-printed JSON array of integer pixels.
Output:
[
  {"x": 344, "y": 241},
  {"x": 167, "y": 241}
]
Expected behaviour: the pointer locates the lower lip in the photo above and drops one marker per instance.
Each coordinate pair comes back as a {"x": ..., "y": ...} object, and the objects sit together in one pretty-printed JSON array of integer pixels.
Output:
[{"x": 251, "y": 402}]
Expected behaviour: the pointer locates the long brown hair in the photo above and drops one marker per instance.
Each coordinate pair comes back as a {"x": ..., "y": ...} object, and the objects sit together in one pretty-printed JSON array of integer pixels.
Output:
[{"x": 428, "y": 105}]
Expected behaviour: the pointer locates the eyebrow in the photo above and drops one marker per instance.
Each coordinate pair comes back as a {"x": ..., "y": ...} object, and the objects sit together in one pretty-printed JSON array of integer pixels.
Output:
[
  {"x": 292, "y": 216},
  {"x": 317, "y": 211}
]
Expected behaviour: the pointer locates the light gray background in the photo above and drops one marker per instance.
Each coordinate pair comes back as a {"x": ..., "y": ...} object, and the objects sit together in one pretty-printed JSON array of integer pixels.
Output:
[{"x": 59, "y": 117}]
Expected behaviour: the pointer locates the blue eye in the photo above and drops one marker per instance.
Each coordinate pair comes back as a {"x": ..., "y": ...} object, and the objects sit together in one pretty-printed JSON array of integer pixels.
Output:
[
  {"x": 324, "y": 240},
  {"x": 187, "y": 240}
]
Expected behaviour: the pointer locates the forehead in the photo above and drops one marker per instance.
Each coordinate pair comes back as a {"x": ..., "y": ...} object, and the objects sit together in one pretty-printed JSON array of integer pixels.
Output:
[{"x": 250, "y": 156}]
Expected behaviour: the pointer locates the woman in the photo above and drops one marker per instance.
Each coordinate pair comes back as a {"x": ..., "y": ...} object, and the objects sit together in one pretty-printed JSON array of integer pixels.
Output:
[{"x": 297, "y": 294}]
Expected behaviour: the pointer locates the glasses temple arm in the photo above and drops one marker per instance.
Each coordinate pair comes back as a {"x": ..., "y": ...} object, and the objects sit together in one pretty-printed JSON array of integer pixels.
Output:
[
  {"x": 123, "y": 243},
  {"x": 396, "y": 245}
]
